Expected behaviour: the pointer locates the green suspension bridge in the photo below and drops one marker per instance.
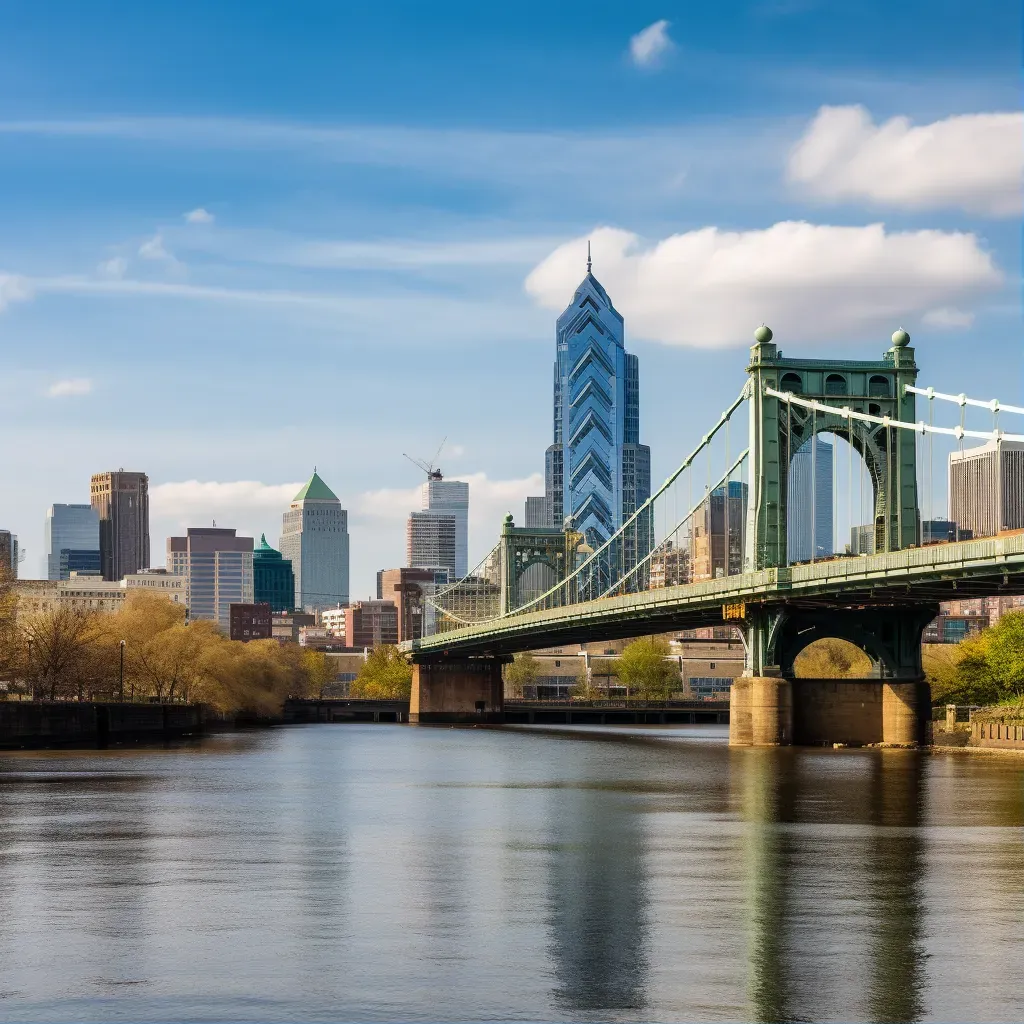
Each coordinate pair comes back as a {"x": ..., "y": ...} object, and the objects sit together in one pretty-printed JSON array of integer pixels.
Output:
[{"x": 710, "y": 546}]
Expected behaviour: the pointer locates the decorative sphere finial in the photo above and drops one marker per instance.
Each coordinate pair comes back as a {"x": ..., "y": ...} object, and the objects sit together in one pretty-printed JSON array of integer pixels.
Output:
[
  {"x": 763, "y": 334},
  {"x": 900, "y": 339}
]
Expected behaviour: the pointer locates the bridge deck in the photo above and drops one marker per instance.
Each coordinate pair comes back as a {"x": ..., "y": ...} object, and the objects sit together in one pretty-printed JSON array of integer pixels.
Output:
[{"x": 974, "y": 568}]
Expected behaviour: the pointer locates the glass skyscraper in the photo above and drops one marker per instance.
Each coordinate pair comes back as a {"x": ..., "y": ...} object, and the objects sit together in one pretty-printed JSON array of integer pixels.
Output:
[
  {"x": 596, "y": 472},
  {"x": 273, "y": 581},
  {"x": 72, "y": 540},
  {"x": 809, "y": 522}
]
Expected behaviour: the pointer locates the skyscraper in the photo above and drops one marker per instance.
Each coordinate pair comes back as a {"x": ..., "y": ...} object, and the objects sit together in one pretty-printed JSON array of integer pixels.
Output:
[
  {"x": 314, "y": 538},
  {"x": 273, "y": 581},
  {"x": 431, "y": 541},
  {"x": 986, "y": 488},
  {"x": 596, "y": 472},
  {"x": 122, "y": 501},
  {"x": 537, "y": 512},
  {"x": 72, "y": 541},
  {"x": 451, "y": 497},
  {"x": 809, "y": 523},
  {"x": 719, "y": 529},
  {"x": 217, "y": 567}
]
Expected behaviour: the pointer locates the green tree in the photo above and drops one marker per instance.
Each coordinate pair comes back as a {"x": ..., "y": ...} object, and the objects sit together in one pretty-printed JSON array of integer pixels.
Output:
[
  {"x": 385, "y": 675},
  {"x": 522, "y": 671},
  {"x": 1005, "y": 656},
  {"x": 646, "y": 670},
  {"x": 317, "y": 671}
]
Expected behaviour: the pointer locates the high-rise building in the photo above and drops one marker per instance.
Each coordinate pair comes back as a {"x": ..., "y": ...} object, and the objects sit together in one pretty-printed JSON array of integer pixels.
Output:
[
  {"x": 451, "y": 497},
  {"x": 862, "y": 540},
  {"x": 9, "y": 554},
  {"x": 371, "y": 623},
  {"x": 314, "y": 538},
  {"x": 538, "y": 513},
  {"x": 986, "y": 488},
  {"x": 122, "y": 501},
  {"x": 217, "y": 567},
  {"x": 719, "y": 531},
  {"x": 72, "y": 541},
  {"x": 273, "y": 581},
  {"x": 410, "y": 590},
  {"x": 596, "y": 472},
  {"x": 431, "y": 541},
  {"x": 809, "y": 526}
]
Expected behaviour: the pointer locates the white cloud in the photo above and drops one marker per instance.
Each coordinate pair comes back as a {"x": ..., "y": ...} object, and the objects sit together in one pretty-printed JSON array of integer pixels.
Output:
[
  {"x": 154, "y": 249},
  {"x": 947, "y": 317},
  {"x": 199, "y": 216},
  {"x": 114, "y": 268},
  {"x": 974, "y": 162},
  {"x": 648, "y": 46},
  {"x": 192, "y": 499},
  {"x": 711, "y": 288},
  {"x": 69, "y": 386},
  {"x": 14, "y": 288}
]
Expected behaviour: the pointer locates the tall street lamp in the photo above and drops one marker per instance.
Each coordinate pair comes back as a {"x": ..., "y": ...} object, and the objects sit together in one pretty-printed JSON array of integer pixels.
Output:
[
  {"x": 122, "y": 672},
  {"x": 31, "y": 669}
]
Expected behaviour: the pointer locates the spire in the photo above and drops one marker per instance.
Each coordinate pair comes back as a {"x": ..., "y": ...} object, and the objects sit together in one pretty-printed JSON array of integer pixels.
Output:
[{"x": 589, "y": 261}]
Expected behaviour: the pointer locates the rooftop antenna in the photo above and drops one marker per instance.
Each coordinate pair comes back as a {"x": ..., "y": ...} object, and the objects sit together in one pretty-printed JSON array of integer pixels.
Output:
[
  {"x": 589, "y": 261},
  {"x": 431, "y": 468}
]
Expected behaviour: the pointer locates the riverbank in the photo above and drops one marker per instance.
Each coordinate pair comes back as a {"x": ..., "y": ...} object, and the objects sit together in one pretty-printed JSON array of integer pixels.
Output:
[{"x": 38, "y": 724}]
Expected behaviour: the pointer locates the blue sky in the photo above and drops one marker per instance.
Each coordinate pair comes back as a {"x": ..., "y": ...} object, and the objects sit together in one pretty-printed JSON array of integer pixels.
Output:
[{"x": 388, "y": 203}]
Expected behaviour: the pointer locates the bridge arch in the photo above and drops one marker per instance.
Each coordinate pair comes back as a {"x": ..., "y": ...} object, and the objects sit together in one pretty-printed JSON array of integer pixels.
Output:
[{"x": 779, "y": 429}]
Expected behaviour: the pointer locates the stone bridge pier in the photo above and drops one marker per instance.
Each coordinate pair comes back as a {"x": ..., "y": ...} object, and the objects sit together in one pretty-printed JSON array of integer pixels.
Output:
[
  {"x": 458, "y": 690},
  {"x": 769, "y": 706}
]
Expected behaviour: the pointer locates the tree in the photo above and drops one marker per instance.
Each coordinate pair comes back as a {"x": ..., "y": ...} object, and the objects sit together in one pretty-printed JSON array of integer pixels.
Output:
[
  {"x": 521, "y": 672},
  {"x": 385, "y": 675},
  {"x": 646, "y": 669},
  {"x": 316, "y": 670},
  {"x": 832, "y": 659},
  {"x": 1005, "y": 655},
  {"x": 57, "y": 647}
]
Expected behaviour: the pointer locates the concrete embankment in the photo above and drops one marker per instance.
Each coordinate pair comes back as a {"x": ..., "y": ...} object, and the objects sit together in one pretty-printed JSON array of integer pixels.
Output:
[{"x": 86, "y": 724}]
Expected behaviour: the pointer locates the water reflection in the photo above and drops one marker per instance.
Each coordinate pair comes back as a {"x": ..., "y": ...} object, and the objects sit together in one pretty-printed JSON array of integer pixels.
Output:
[
  {"x": 835, "y": 861},
  {"x": 597, "y": 902}
]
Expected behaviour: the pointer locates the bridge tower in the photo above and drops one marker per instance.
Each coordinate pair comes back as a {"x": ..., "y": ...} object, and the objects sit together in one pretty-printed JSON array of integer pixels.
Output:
[
  {"x": 769, "y": 706},
  {"x": 778, "y": 430}
]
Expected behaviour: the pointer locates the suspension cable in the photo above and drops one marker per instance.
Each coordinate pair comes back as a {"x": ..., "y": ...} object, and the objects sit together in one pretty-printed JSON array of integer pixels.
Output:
[{"x": 993, "y": 404}]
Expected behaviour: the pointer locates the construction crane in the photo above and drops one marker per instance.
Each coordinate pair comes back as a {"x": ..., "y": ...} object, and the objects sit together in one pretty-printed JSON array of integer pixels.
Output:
[{"x": 431, "y": 468}]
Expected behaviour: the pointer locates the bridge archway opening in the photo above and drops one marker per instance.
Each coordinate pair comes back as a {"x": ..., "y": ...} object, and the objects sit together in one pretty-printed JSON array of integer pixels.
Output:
[
  {"x": 836, "y": 494},
  {"x": 834, "y": 658}
]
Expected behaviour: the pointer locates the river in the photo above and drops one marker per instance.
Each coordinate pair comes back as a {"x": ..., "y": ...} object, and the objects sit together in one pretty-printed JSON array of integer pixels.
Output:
[{"x": 349, "y": 872}]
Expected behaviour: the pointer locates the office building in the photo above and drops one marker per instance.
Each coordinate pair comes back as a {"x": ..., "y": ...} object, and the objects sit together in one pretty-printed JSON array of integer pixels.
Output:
[
  {"x": 314, "y": 538},
  {"x": 158, "y": 583},
  {"x": 986, "y": 488},
  {"x": 9, "y": 554},
  {"x": 862, "y": 540},
  {"x": 451, "y": 497},
  {"x": 250, "y": 622},
  {"x": 941, "y": 531},
  {"x": 431, "y": 541},
  {"x": 809, "y": 501},
  {"x": 286, "y": 626},
  {"x": 410, "y": 591},
  {"x": 596, "y": 472},
  {"x": 371, "y": 624},
  {"x": 719, "y": 531},
  {"x": 273, "y": 581},
  {"x": 217, "y": 567},
  {"x": 122, "y": 501},
  {"x": 72, "y": 541},
  {"x": 537, "y": 513},
  {"x": 93, "y": 594}
]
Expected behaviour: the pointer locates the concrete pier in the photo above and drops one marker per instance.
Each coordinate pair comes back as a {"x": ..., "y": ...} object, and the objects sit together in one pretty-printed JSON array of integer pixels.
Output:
[
  {"x": 771, "y": 711},
  {"x": 459, "y": 691}
]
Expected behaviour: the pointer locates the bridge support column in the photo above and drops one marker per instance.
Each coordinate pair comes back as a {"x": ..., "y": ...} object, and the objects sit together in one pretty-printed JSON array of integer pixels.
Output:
[
  {"x": 740, "y": 726},
  {"x": 458, "y": 691},
  {"x": 761, "y": 712},
  {"x": 906, "y": 707}
]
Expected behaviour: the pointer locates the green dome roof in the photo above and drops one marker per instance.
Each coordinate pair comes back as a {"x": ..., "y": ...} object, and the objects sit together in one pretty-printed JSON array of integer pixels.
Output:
[
  {"x": 316, "y": 490},
  {"x": 264, "y": 550},
  {"x": 763, "y": 334},
  {"x": 900, "y": 339}
]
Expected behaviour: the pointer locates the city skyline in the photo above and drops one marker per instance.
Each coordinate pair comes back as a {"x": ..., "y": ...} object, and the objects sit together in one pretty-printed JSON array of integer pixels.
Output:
[{"x": 421, "y": 242}]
